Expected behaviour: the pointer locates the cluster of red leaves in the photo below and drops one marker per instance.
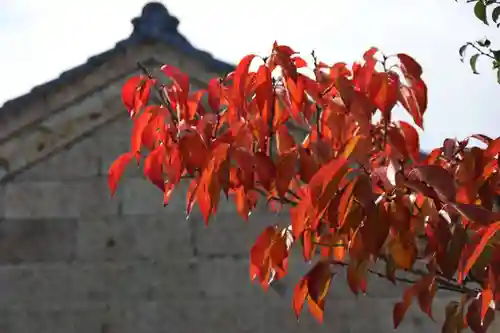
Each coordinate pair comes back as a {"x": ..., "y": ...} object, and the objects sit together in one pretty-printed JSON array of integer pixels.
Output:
[{"x": 326, "y": 145}]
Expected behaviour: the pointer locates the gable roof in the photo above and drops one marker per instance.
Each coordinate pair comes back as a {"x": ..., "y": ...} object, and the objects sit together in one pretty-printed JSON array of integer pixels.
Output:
[{"x": 155, "y": 24}]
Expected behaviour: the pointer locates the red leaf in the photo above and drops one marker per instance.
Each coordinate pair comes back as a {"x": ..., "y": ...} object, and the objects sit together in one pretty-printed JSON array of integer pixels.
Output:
[
  {"x": 409, "y": 66},
  {"x": 285, "y": 170},
  {"x": 265, "y": 169},
  {"x": 356, "y": 276},
  {"x": 284, "y": 140},
  {"x": 240, "y": 77},
  {"x": 489, "y": 233},
  {"x": 422, "y": 286},
  {"x": 194, "y": 106},
  {"x": 194, "y": 151},
  {"x": 414, "y": 99},
  {"x": 493, "y": 148},
  {"x": 307, "y": 164},
  {"x": 153, "y": 166},
  {"x": 140, "y": 123},
  {"x": 477, "y": 214},
  {"x": 299, "y": 62},
  {"x": 176, "y": 75},
  {"x": 438, "y": 178},
  {"x": 318, "y": 283},
  {"x": 214, "y": 94},
  {"x": 487, "y": 293},
  {"x": 383, "y": 90},
  {"x": 299, "y": 297},
  {"x": 264, "y": 94},
  {"x": 411, "y": 139},
  {"x": 324, "y": 175},
  {"x": 259, "y": 253},
  {"x": 116, "y": 170},
  {"x": 313, "y": 287},
  {"x": 191, "y": 195},
  {"x": 135, "y": 93}
]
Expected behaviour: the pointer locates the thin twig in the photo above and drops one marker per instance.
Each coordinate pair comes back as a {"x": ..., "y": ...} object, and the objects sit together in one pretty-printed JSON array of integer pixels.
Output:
[
  {"x": 481, "y": 51},
  {"x": 159, "y": 90},
  {"x": 443, "y": 284}
]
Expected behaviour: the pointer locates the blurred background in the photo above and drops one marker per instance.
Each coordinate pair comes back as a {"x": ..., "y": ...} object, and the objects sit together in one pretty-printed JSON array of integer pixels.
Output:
[{"x": 40, "y": 39}]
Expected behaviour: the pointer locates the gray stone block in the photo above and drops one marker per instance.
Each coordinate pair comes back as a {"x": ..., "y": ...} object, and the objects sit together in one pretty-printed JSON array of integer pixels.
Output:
[
  {"x": 50, "y": 199},
  {"x": 130, "y": 238},
  {"x": 227, "y": 278},
  {"x": 112, "y": 141},
  {"x": 140, "y": 197},
  {"x": 29, "y": 241},
  {"x": 79, "y": 161},
  {"x": 34, "y": 286},
  {"x": 228, "y": 234},
  {"x": 54, "y": 199},
  {"x": 146, "y": 281}
]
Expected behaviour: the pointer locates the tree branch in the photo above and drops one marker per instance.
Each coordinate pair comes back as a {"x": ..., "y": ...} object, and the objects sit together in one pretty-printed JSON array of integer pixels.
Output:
[
  {"x": 443, "y": 284},
  {"x": 481, "y": 51}
]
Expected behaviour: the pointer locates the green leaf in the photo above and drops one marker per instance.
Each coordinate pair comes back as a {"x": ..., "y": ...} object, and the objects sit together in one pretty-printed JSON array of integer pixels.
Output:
[
  {"x": 480, "y": 11},
  {"x": 461, "y": 51},
  {"x": 473, "y": 61},
  {"x": 484, "y": 42},
  {"x": 498, "y": 75},
  {"x": 496, "y": 54},
  {"x": 495, "y": 15}
]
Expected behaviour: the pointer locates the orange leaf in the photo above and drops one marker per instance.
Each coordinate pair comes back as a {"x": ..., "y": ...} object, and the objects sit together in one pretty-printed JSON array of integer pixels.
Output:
[{"x": 404, "y": 255}]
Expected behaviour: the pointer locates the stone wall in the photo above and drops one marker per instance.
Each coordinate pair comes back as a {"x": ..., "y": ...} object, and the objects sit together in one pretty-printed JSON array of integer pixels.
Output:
[{"x": 74, "y": 260}]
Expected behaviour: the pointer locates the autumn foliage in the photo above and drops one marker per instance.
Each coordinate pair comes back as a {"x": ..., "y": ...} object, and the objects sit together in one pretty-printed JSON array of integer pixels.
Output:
[{"x": 321, "y": 139}]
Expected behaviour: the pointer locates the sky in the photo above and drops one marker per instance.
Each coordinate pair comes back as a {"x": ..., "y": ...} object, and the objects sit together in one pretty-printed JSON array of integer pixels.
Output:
[{"x": 41, "y": 39}]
